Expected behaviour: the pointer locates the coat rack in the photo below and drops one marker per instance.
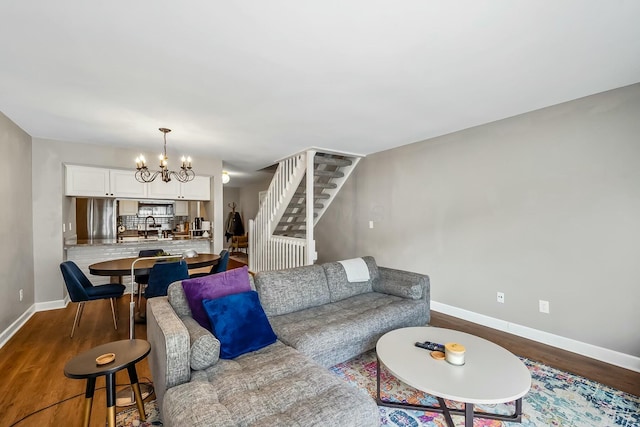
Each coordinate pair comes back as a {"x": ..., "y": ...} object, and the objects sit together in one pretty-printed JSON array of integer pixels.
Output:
[{"x": 233, "y": 225}]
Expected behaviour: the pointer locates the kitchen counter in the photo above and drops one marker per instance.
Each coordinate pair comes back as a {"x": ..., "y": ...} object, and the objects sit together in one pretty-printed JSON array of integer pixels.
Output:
[{"x": 132, "y": 241}]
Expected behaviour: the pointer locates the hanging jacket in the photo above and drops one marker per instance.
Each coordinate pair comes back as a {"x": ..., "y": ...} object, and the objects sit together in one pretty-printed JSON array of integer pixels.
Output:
[
  {"x": 228, "y": 225},
  {"x": 238, "y": 227}
]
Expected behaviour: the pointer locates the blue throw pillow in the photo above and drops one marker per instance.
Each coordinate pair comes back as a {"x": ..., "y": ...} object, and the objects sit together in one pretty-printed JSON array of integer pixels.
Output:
[{"x": 239, "y": 323}]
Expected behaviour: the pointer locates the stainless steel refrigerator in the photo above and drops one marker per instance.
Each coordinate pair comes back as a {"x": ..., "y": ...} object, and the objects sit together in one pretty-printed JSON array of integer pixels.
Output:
[{"x": 95, "y": 218}]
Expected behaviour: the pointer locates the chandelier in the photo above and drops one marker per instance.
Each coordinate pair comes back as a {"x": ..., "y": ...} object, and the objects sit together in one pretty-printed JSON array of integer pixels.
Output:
[{"x": 185, "y": 174}]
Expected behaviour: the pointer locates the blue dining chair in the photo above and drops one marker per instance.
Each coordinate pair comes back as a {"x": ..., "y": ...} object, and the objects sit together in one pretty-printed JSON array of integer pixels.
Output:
[
  {"x": 163, "y": 274},
  {"x": 82, "y": 290},
  {"x": 221, "y": 266}
]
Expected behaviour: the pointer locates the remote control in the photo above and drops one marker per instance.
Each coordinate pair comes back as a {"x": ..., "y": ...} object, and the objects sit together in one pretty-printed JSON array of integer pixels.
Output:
[{"x": 428, "y": 345}]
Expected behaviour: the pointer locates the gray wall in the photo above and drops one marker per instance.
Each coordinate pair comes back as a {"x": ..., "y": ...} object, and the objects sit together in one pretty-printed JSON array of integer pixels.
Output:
[
  {"x": 16, "y": 236},
  {"x": 51, "y": 208},
  {"x": 249, "y": 198},
  {"x": 544, "y": 205}
]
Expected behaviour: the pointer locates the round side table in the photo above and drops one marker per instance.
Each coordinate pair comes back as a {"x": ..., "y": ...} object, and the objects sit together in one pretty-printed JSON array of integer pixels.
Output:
[{"x": 84, "y": 366}]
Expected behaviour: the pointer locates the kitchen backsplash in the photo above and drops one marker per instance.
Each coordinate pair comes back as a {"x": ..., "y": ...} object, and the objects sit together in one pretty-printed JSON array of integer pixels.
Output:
[{"x": 131, "y": 222}]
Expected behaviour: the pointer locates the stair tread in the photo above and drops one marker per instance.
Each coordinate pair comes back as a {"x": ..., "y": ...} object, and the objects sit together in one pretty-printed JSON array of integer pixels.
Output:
[
  {"x": 300, "y": 223},
  {"x": 286, "y": 217},
  {"x": 330, "y": 174},
  {"x": 331, "y": 161},
  {"x": 315, "y": 196},
  {"x": 293, "y": 204},
  {"x": 318, "y": 185},
  {"x": 301, "y": 212},
  {"x": 324, "y": 185}
]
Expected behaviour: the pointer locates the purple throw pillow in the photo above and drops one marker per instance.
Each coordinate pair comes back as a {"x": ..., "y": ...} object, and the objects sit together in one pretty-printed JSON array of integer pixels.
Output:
[{"x": 211, "y": 287}]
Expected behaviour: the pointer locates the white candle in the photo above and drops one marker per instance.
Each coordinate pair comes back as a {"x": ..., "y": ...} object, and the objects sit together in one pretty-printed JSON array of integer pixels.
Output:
[{"x": 454, "y": 353}]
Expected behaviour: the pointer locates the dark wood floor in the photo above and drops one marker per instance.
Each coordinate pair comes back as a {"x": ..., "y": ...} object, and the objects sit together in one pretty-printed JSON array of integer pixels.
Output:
[
  {"x": 32, "y": 363},
  {"x": 33, "y": 360}
]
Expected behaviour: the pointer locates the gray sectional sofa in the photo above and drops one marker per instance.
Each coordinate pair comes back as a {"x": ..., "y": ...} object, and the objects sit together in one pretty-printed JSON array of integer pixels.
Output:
[{"x": 320, "y": 319}]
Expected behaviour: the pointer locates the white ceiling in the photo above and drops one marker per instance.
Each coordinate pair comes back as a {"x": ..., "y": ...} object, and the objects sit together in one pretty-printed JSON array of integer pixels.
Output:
[{"x": 253, "y": 81}]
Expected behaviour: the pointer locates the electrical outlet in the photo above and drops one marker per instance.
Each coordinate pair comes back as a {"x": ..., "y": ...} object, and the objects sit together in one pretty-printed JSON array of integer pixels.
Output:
[
  {"x": 544, "y": 306},
  {"x": 500, "y": 297},
  {"x": 370, "y": 224},
  {"x": 64, "y": 227},
  {"x": 21, "y": 295},
  {"x": 69, "y": 226}
]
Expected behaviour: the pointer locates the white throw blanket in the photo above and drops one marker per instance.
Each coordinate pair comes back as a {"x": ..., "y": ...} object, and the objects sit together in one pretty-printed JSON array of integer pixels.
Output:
[{"x": 356, "y": 269}]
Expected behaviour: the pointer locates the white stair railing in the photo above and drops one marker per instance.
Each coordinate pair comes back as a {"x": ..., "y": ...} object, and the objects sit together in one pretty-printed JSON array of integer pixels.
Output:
[
  {"x": 261, "y": 244},
  {"x": 273, "y": 252}
]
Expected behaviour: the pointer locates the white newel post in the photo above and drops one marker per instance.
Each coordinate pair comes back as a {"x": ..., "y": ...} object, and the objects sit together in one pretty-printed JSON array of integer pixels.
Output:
[{"x": 311, "y": 250}]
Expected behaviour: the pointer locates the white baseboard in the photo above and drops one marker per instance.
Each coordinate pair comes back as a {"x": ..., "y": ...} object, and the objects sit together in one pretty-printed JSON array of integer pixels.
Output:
[
  {"x": 15, "y": 326},
  {"x": 20, "y": 321},
  {"x": 52, "y": 305},
  {"x": 613, "y": 357}
]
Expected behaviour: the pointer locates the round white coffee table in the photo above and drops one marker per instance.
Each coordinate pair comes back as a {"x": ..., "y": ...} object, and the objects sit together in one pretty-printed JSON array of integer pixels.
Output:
[{"x": 490, "y": 374}]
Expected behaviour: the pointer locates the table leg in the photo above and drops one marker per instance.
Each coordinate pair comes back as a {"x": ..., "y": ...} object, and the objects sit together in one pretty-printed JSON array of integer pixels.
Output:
[
  {"x": 133, "y": 377},
  {"x": 110, "y": 379},
  {"x": 378, "y": 400},
  {"x": 446, "y": 413},
  {"x": 468, "y": 411},
  {"x": 468, "y": 415},
  {"x": 88, "y": 400}
]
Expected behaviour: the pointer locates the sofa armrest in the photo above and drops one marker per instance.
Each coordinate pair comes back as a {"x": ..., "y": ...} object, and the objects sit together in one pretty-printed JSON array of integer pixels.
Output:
[
  {"x": 205, "y": 347},
  {"x": 403, "y": 284},
  {"x": 170, "y": 355}
]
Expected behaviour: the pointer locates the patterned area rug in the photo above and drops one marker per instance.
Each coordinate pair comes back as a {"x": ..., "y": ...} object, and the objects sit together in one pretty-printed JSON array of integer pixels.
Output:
[
  {"x": 556, "y": 399},
  {"x": 131, "y": 418}
]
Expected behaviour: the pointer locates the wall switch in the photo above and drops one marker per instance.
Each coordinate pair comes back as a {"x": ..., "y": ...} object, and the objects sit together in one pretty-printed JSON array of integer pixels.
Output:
[
  {"x": 544, "y": 306},
  {"x": 64, "y": 227},
  {"x": 370, "y": 224},
  {"x": 21, "y": 294},
  {"x": 500, "y": 297},
  {"x": 69, "y": 226}
]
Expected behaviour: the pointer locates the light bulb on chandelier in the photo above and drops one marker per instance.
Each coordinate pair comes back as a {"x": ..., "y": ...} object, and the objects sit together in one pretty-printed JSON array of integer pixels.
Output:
[
  {"x": 225, "y": 177},
  {"x": 185, "y": 174}
]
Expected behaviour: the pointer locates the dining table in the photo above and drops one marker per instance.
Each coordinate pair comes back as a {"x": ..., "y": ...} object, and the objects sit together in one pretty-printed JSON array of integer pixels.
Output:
[{"x": 122, "y": 266}]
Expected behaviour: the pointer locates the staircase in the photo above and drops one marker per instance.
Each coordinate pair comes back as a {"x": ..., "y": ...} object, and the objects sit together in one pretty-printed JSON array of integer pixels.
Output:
[{"x": 281, "y": 236}]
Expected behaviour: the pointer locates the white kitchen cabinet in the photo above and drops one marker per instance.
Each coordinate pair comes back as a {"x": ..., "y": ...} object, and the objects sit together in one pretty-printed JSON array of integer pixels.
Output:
[
  {"x": 159, "y": 189},
  {"x": 198, "y": 189},
  {"x": 89, "y": 181},
  {"x": 123, "y": 183}
]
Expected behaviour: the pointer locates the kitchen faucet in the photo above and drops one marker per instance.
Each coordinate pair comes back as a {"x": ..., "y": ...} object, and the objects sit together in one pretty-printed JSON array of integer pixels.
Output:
[{"x": 146, "y": 232}]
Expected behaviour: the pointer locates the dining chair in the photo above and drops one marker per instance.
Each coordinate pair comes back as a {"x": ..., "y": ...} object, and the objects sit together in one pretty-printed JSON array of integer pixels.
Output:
[
  {"x": 143, "y": 279},
  {"x": 221, "y": 266},
  {"x": 82, "y": 290},
  {"x": 163, "y": 274}
]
